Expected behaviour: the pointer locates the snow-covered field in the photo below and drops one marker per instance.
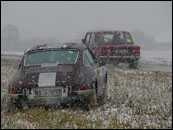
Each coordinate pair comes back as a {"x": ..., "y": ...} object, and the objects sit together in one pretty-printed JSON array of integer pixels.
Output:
[
  {"x": 136, "y": 99},
  {"x": 157, "y": 56},
  {"x": 12, "y": 53}
]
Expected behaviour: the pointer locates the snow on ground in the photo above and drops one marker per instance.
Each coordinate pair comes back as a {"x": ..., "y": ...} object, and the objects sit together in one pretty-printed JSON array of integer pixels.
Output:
[
  {"x": 157, "y": 56},
  {"x": 12, "y": 53},
  {"x": 136, "y": 99}
]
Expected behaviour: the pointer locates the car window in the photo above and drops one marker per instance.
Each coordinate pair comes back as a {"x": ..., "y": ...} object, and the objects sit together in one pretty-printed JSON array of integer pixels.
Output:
[
  {"x": 87, "y": 39},
  {"x": 128, "y": 38},
  {"x": 59, "y": 56},
  {"x": 92, "y": 39},
  {"x": 85, "y": 60},
  {"x": 88, "y": 58},
  {"x": 118, "y": 37}
]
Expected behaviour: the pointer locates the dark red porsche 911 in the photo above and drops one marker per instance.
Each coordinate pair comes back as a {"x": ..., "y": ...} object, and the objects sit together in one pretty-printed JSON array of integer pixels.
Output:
[{"x": 52, "y": 74}]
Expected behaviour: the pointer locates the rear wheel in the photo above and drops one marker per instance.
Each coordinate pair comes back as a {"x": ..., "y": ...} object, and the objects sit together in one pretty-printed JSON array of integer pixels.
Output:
[
  {"x": 21, "y": 104},
  {"x": 93, "y": 97},
  {"x": 101, "y": 63},
  {"x": 9, "y": 106},
  {"x": 134, "y": 64},
  {"x": 102, "y": 99},
  {"x": 14, "y": 104}
]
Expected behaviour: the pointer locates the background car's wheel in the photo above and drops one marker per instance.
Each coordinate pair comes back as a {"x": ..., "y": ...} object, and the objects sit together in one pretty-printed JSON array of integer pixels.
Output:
[
  {"x": 134, "y": 64},
  {"x": 101, "y": 63},
  {"x": 106, "y": 78}
]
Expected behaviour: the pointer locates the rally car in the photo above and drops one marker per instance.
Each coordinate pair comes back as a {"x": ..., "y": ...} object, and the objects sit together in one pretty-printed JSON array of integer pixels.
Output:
[
  {"x": 52, "y": 74},
  {"x": 113, "y": 47}
]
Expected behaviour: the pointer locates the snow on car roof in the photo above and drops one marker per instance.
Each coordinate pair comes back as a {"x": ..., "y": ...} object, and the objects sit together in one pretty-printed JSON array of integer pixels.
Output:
[
  {"x": 106, "y": 31},
  {"x": 60, "y": 45}
]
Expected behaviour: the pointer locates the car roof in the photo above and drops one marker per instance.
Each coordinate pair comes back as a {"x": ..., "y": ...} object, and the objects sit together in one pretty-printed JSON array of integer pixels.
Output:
[
  {"x": 107, "y": 31},
  {"x": 78, "y": 46}
]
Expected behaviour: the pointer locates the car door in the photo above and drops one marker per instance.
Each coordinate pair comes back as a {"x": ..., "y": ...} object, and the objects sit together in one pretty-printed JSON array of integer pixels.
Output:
[{"x": 90, "y": 41}]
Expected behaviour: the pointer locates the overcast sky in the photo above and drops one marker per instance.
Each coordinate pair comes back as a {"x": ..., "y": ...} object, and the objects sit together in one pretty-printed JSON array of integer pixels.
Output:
[{"x": 68, "y": 20}]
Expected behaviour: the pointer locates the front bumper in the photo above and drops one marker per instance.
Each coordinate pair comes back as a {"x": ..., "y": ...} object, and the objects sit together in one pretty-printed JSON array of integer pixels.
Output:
[{"x": 72, "y": 96}]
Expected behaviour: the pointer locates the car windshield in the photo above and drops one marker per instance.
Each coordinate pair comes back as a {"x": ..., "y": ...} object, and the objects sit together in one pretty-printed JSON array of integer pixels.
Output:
[
  {"x": 117, "y": 37},
  {"x": 59, "y": 56}
]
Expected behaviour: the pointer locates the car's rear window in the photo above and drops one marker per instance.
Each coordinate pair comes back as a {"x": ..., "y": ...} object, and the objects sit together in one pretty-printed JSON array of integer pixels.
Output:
[
  {"x": 58, "y": 56},
  {"x": 117, "y": 37}
]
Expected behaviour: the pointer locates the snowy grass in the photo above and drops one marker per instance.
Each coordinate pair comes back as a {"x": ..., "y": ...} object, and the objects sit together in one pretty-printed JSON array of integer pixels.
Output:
[
  {"x": 145, "y": 97},
  {"x": 136, "y": 99}
]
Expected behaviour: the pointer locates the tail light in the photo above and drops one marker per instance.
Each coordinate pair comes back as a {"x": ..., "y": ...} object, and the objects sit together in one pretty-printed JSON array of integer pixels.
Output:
[
  {"x": 104, "y": 50},
  {"x": 109, "y": 51},
  {"x": 134, "y": 51},
  {"x": 82, "y": 87},
  {"x": 13, "y": 91}
]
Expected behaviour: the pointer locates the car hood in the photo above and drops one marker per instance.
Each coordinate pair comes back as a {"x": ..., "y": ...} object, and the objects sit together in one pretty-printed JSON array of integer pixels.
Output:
[{"x": 49, "y": 76}]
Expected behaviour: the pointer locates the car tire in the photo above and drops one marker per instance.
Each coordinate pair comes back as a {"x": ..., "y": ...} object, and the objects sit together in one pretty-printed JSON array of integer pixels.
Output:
[
  {"x": 9, "y": 106},
  {"x": 19, "y": 105},
  {"x": 102, "y": 99},
  {"x": 101, "y": 63},
  {"x": 106, "y": 77},
  {"x": 134, "y": 64},
  {"x": 93, "y": 97}
]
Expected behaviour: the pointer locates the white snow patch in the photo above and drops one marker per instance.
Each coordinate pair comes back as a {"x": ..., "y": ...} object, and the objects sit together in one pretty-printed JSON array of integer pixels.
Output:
[
  {"x": 157, "y": 56},
  {"x": 13, "y": 53},
  {"x": 26, "y": 123}
]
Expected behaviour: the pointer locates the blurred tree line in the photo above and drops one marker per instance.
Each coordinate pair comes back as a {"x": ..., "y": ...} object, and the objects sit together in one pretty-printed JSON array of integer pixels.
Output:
[
  {"x": 149, "y": 43},
  {"x": 11, "y": 40},
  {"x": 146, "y": 42}
]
